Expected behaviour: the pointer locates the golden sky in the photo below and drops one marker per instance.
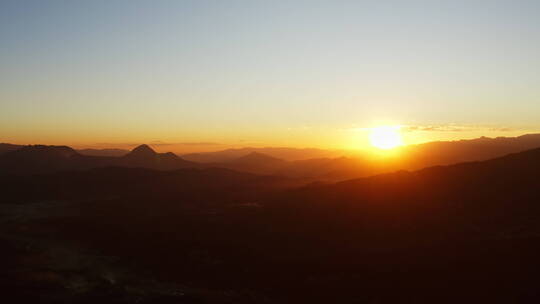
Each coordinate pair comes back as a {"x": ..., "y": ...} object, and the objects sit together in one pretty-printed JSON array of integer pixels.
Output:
[{"x": 212, "y": 74}]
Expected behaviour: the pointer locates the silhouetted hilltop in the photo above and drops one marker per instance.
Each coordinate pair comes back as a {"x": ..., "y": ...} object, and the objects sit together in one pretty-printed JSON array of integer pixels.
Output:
[
  {"x": 141, "y": 156},
  {"x": 145, "y": 157},
  {"x": 37, "y": 159},
  {"x": 142, "y": 151}
]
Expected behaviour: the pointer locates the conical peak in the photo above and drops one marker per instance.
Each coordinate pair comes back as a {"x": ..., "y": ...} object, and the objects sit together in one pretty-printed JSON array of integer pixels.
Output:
[{"x": 143, "y": 149}]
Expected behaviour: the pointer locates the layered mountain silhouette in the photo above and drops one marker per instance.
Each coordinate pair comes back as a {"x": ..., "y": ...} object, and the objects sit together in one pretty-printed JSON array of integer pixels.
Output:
[
  {"x": 36, "y": 159},
  {"x": 476, "y": 200},
  {"x": 442, "y": 152},
  {"x": 289, "y": 154},
  {"x": 412, "y": 157},
  {"x": 39, "y": 159},
  {"x": 450, "y": 152},
  {"x": 468, "y": 232},
  {"x": 103, "y": 152},
  {"x": 325, "y": 169},
  {"x": 255, "y": 162}
]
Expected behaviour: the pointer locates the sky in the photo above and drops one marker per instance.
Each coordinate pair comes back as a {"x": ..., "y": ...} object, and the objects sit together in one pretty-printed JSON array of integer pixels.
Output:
[{"x": 209, "y": 74}]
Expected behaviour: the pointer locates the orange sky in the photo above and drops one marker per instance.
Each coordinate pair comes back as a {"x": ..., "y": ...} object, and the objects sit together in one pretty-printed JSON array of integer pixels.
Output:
[
  {"x": 349, "y": 138},
  {"x": 200, "y": 75}
]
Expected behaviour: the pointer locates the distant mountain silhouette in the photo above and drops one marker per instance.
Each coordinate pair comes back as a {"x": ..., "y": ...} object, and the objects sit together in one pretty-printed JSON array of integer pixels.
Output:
[
  {"x": 142, "y": 156},
  {"x": 103, "y": 152},
  {"x": 41, "y": 159},
  {"x": 255, "y": 162},
  {"x": 142, "y": 151},
  {"x": 250, "y": 160},
  {"x": 289, "y": 154},
  {"x": 145, "y": 157},
  {"x": 361, "y": 164},
  {"x": 451, "y": 152},
  {"x": 332, "y": 169},
  {"x": 8, "y": 148},
  {"x": 38, "y": 159},
  {"x": 432, "y": 153}
]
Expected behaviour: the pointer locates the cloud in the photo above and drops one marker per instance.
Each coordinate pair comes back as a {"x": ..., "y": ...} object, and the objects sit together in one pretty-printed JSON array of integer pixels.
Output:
[
  {"x": 449, "y": 127},
  {"x": 203, "y": 143},
  {"x": 426, "y": 128},
  {"x": 437, "y": 128},
  {"x": 453, "y": 128},
  {"x": 504, "y": 129}
]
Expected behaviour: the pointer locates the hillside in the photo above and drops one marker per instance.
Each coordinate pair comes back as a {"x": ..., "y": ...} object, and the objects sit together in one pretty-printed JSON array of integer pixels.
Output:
[{"x": 461, "y": 231}]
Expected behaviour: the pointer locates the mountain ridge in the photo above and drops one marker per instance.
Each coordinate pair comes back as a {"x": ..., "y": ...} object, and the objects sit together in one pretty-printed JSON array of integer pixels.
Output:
[{"x": 39, "y": 159}]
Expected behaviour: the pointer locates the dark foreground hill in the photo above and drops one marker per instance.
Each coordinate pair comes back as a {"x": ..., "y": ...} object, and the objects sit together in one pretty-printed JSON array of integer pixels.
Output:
[
  {"x": 191, "y": 185},
  {"x": 466, "y": 233},
  {"x": 491, "y": 199}
]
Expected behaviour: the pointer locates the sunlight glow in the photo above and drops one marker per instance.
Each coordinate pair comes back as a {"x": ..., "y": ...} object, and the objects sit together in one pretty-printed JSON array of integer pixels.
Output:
[{"x": 385, "y": 137}]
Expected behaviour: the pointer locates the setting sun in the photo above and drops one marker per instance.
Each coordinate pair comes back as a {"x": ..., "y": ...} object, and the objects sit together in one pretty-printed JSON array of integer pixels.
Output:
[{"x": 385, "y": 137}]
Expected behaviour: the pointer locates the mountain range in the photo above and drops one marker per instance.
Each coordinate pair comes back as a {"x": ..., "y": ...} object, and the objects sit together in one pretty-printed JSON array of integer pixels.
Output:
[
  {"x": 285, "y": 153},
  {"x": 16, "y": 159},
  {"x": 40, "y": 159},
  {"x": 467, "y": 232},
  {"x": 362, "y": 164}
]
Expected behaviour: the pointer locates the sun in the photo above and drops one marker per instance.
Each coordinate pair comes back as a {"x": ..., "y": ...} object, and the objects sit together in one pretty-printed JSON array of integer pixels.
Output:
[{"x": 385, "y": 137}]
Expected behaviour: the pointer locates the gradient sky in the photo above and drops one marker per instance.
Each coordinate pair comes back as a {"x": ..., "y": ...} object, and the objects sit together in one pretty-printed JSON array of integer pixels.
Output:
[{"x": 297, "y": 73}]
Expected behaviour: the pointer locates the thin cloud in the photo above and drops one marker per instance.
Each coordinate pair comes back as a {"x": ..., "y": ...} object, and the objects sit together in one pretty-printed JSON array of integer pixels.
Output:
[
  {"x": 437, "y": 128},
  {"x": 443, "y": 128},
  {"x": 454, "y": 128},
  {"x": 502, "y": 129},
  {"x": 199, "y": 143}
]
